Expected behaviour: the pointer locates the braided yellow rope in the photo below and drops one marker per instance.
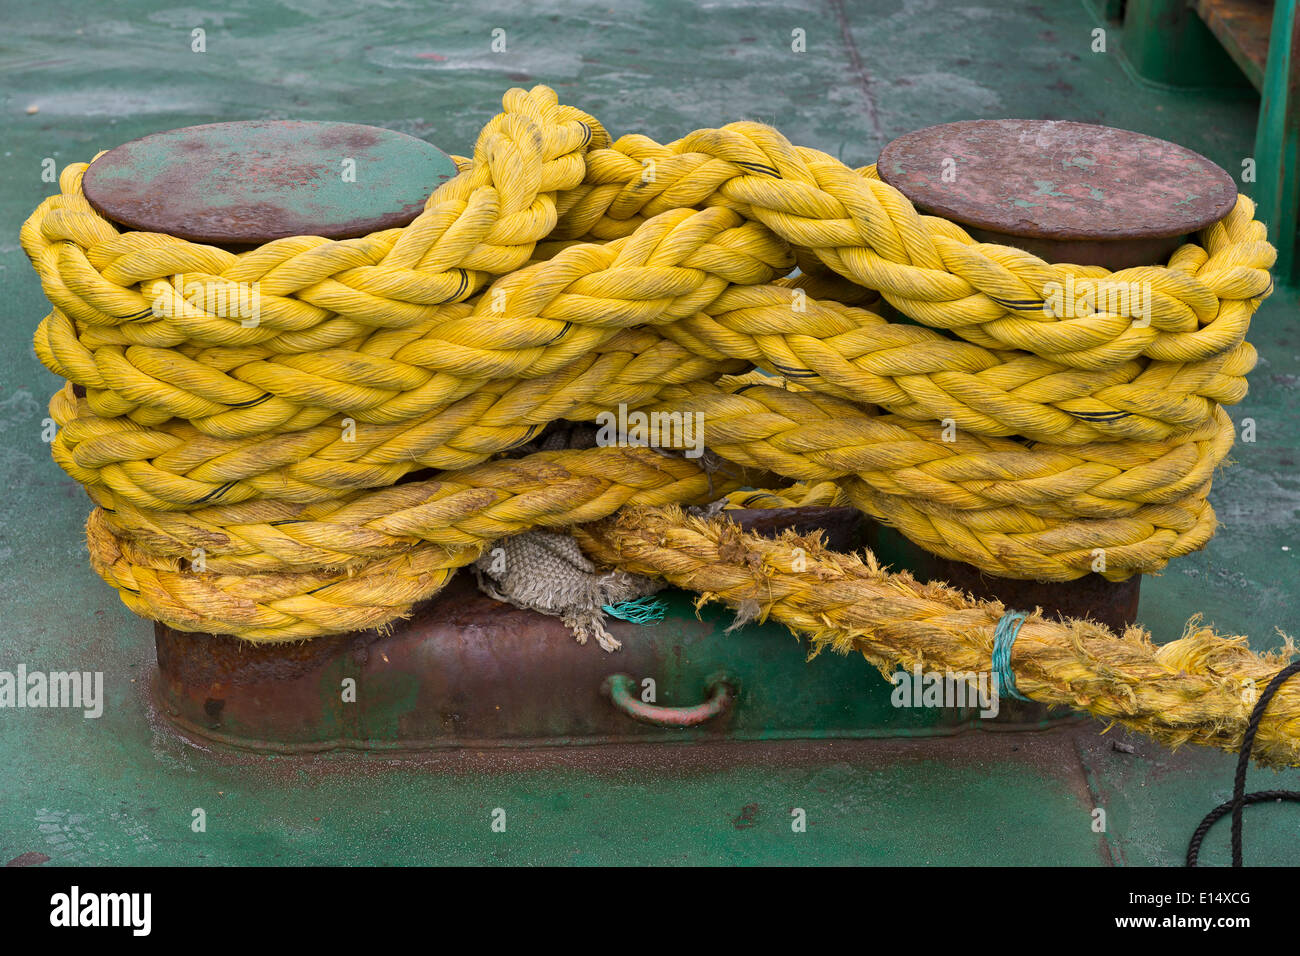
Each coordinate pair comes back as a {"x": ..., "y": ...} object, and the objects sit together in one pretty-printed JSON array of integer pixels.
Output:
[
  {"x": 560, "y": 275},
  {"x": 280, "y": 571}
]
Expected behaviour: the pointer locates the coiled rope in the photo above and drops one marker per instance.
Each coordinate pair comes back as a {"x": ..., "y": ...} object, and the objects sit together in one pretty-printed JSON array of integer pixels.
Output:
[{"x": 274, "y": 480}]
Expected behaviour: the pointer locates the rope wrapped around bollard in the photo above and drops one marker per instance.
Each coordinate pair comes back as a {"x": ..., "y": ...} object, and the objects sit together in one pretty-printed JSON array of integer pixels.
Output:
[{"x": 328, "y": 466}]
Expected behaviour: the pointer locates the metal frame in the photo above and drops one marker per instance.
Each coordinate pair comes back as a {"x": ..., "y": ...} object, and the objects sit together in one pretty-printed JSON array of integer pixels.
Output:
[{"x": 1189, "y": 45}]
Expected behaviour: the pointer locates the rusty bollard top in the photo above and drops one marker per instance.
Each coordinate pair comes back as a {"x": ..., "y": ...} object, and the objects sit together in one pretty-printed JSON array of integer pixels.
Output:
[
  {"x": 247, "y": 183},
  {"x": 1069, "y": 192}
]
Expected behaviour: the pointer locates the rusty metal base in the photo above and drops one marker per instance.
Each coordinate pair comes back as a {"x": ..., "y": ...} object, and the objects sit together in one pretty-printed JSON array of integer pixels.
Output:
[
  {"x": 464, "y": 670},
  {"x": 468, "y": 671}
]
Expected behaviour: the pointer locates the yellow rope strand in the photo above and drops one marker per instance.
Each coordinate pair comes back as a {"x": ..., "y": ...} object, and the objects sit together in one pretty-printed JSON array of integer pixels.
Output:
[
  {"x": 1198, "y": 689},
  {"x": 276, "y": 571}
]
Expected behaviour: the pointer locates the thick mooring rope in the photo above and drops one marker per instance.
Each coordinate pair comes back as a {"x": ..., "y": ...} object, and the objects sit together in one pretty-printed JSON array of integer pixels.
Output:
[
  {"x": 270, "y": 479},
  {"x": 1199, "y": 689}
]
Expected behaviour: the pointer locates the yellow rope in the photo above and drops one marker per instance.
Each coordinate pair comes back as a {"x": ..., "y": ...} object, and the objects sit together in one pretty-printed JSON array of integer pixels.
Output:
[
  {"x": 1198, "y": 689},
  {"x": 248, "y": 475}
]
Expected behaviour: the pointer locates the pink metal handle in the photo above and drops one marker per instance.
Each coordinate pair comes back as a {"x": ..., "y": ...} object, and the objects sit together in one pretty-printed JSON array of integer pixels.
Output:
[{"x": 621, "y": 690}]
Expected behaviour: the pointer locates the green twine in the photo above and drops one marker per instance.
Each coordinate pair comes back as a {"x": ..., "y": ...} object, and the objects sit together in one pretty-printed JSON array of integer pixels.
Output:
[
  {"x": 1004, "y": 636},
  {"x": 644, "y": 610}
]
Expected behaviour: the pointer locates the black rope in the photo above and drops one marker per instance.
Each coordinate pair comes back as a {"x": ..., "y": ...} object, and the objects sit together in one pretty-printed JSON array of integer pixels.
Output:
[{"x": 1240, "y": 798}]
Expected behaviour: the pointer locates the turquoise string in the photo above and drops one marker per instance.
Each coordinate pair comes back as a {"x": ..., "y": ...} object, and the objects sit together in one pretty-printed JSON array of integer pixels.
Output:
[
  {"x": 644, "y": 610},
  {"x": 1004, "y": 637}
]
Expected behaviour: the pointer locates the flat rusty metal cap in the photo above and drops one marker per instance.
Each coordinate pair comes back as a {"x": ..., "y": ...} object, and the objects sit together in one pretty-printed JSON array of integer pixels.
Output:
[
  {"x": 248, "y": 183},
  {"x": 1057, "y": 180}
]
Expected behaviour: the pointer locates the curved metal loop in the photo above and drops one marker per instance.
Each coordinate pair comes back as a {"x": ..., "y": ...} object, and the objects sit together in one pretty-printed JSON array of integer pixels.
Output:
[{"x": 621, "y": 690}]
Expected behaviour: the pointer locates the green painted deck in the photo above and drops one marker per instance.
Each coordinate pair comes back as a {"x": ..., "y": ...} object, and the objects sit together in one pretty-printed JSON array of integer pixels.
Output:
[{"x": 121, "y": 789}]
